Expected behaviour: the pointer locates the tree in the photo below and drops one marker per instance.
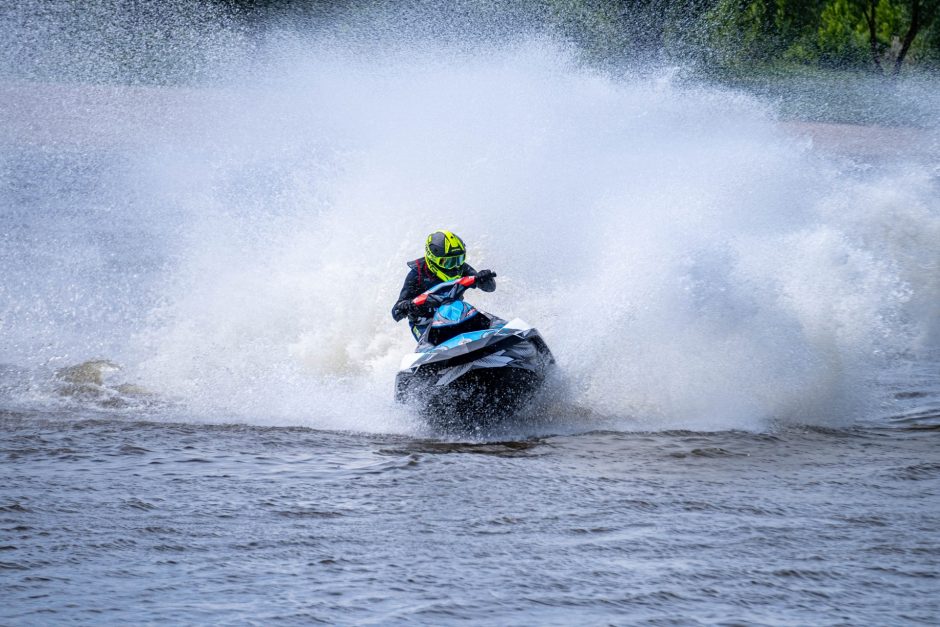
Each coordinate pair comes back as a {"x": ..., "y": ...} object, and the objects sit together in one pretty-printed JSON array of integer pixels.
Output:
[
  {"x": 888, "y": 28},
  {"x": 923, "y": 14}
]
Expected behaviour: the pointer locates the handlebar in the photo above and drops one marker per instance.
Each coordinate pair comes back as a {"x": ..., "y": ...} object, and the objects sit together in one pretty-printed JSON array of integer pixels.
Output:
[{"x": 455, "y": 285}]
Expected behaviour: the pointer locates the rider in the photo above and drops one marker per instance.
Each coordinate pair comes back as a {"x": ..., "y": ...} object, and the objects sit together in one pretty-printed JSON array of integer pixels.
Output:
[{"x": 444, "y": 255}]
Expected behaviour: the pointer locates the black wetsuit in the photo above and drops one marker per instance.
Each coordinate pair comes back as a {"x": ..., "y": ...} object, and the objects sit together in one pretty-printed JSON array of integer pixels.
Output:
[{"x": 419, "y": 280}]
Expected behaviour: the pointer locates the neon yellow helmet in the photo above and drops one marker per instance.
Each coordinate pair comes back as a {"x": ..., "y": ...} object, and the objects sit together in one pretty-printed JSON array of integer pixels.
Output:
[{"x": 445, "y": 253}]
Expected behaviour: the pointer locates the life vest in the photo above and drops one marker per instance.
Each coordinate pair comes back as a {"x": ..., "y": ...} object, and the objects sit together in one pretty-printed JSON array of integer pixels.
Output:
[{"x": 426, "y": 278}]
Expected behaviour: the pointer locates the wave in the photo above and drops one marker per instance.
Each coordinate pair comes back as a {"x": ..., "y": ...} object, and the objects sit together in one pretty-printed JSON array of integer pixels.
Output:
[{"x": 692, "y": 260}]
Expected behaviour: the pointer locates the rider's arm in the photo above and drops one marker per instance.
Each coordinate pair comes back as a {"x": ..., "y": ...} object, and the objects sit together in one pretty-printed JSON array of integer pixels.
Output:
[
  {"x": 409, "y": 290},
  {"x": 487, "y": 285}
]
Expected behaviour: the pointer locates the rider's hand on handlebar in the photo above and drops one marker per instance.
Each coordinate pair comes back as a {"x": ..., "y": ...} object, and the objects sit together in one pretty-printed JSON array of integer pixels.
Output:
[
  {"x": 417, "y": 311},
  {"x": 484, "y": 275},
  {"x": 408, "y": 308}
]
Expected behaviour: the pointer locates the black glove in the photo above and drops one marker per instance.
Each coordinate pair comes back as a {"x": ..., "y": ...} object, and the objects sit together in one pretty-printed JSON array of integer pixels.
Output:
[
  {"x": 408, "y": 308},
  {"x": 420, "y": 311},
  {"x": 404, "y": 308},
  {"x": 485, "y": 275}
]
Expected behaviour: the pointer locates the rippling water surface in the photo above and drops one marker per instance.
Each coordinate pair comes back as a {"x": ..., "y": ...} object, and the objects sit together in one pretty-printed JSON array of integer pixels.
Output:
[{"x": 127, "y": 522}]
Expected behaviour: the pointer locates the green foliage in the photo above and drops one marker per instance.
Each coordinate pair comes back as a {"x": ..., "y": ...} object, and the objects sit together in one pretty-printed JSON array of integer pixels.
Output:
[
  {"x": 725, "y": 34},
  {"x": 929, "y": 50},
  {"x": 737, "y": 32},
  {"x": 926, "y": 47},
  {"x": 597, "y": 25},
  {"x": 842, "y": 34},
  {"x": 835, "y": 33}
]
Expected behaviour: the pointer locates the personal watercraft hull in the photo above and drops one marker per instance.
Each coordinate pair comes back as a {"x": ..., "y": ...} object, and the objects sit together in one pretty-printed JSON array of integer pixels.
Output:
[
  {"x": 476, "y": 379},
  {"x": 478, "y": 398}
]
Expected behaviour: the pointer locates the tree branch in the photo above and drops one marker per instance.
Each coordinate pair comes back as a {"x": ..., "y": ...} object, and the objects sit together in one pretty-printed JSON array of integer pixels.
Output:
[{"x": 909, "y": 36}]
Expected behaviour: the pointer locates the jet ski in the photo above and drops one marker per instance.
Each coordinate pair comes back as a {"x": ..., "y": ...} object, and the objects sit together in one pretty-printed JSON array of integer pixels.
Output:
[{"x": 470, "y": 368}]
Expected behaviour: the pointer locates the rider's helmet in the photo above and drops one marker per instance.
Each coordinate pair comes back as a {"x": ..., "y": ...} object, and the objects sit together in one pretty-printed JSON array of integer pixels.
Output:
[{"x": 445, "y": 253}]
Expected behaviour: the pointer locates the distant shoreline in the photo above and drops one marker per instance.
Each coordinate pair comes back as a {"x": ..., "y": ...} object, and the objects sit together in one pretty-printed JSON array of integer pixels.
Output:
[
  {"x": 68, "y": 116},
  {"x": 871, "y": 141}
]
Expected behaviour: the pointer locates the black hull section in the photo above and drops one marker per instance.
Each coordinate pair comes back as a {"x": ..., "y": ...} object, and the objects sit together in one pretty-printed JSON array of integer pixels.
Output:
[
  {"x": 476, "y": 379},
  {"x": 479, "y": 398}
]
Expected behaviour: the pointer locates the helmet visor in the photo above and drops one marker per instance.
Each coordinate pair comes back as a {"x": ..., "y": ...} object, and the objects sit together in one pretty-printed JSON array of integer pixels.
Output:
[{"x": 450, "y": 262}]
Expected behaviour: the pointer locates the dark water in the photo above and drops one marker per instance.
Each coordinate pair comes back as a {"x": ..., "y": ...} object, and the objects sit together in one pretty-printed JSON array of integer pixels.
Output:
[{"x": 117, "y": 521}]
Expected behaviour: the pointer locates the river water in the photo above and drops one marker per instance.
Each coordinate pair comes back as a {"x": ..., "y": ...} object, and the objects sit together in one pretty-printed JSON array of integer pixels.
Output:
[
  {"x": 196, "y": 366},
  {"x": 117, "y": 521}
]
